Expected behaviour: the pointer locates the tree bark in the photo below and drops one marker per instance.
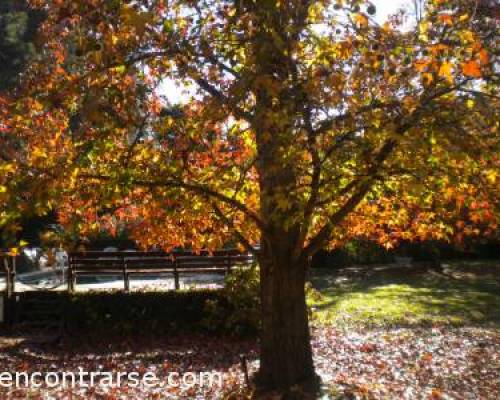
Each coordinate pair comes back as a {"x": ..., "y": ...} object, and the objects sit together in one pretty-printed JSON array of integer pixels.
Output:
[{"x": 286, "y": 355}]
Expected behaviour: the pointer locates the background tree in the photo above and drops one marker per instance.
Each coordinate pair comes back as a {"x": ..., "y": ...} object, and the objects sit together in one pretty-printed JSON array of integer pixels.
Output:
[
  {"x": 306, "y": 123},
  {"x": 18, "y": 26}
]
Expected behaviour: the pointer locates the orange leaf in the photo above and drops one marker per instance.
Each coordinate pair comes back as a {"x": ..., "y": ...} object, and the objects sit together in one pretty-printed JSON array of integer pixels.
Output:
[
  {"x": 446, "y": 19},
  {"x": 421, "y": 65},
  {"x": 13, "y": 252},
  {"x": 471, "y": 69},
  {"x": 483, "y": 56},
  {"x": 427, "y": 78}
]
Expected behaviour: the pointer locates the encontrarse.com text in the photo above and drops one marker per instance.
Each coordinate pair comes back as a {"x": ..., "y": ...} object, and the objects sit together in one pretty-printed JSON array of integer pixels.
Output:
[{"x": 86, "y": 379}]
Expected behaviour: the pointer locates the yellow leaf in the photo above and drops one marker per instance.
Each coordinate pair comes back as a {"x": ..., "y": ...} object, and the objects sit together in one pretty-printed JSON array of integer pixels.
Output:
[
  {"x": 39, "y": 153},
  {"x": 491, "y": 175},
  {"x": 121, "y": 69},
  {"x": 471, "y": 69},
  {"x": 467, "y": 36},
  {"x": 98, "y": 57},
  {"x": 423, "y": 28},
  {"x": 445, "y": 71},
  {"x": 386, "y": 27},
  {"x": 361, "y": 20},
  {"x": 464, "y": 17},
  {"x": 136, "y": 19}
]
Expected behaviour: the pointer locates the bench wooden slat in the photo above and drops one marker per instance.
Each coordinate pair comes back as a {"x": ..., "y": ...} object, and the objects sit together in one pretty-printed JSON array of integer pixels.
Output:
[
  {"x": 204, "y": 269},
  {"x": 97, "y": 263},
  {"x": 150, "y": 271},
  {"x": 202, "y": 262},
  {"x": 206, "y": 253},
  {"x": 207, "y": 257},
  {"x": 94, "y": 254},
  {"x": 148, "y": 261},
  {"x": 120, "y": 271}
]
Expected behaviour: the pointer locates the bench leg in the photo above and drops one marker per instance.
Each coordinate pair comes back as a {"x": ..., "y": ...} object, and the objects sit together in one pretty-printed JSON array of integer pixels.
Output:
[
  {"x": 9, "y": 298},
  {"x": 13, "y": 283},
  {"x": 14, "y": 274},
  {"x": 176, "y": 280},
  {"x": 8, "y": 283},
  {"x": 126, "y": 281},
  {"x": 71, "y": 281}
]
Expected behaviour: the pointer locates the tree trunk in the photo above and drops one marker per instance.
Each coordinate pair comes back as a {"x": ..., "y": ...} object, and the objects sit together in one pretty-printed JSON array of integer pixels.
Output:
[{"x": 286, "y": 356}]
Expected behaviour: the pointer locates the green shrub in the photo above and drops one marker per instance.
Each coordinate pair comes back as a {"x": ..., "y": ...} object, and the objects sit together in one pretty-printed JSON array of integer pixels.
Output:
[
  {"x": 359, "y": 251},
  {"x": 354, "y": 252},
  {"x": 99, "y": 315},
  {"x": 138, "y": 313},
  {"x": 238, "y": 309},
  {"x": 312, "y": 293},
  {"x": 235, "y": 309}
]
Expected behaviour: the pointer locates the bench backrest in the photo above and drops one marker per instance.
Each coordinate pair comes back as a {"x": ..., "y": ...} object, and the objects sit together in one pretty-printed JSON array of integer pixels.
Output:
[{"x": 96, "y": 260}]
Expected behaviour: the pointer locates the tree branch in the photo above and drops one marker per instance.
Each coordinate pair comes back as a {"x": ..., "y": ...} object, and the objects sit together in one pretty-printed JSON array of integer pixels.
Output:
[
  {"x": 365, "y": 186},
  {"x": 229, "y": 223},
  {"x": 192, "y": 187},
  {"x": 223, "y": 99}
]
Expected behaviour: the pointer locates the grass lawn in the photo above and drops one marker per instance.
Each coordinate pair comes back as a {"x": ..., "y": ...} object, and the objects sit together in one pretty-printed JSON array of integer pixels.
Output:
[{"x": 466, "y": 293}]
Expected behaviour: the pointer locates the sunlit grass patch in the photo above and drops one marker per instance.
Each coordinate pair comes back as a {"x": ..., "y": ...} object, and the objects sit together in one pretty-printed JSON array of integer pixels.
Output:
[{"x": 384, "y": 298}]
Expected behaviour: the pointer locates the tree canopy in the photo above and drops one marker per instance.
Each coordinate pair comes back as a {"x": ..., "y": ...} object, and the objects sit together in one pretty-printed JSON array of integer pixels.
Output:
[{"x": 405, "y": 119}]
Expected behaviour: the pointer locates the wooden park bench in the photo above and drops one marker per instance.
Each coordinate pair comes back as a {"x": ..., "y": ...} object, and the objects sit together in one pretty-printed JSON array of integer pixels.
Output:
[{"x": 127, "y": 263}]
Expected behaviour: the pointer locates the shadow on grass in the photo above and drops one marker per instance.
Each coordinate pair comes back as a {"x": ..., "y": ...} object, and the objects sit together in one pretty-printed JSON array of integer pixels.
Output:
[
  {"x": 382, "y": 296},
  {"x": 195, "y": 352}
]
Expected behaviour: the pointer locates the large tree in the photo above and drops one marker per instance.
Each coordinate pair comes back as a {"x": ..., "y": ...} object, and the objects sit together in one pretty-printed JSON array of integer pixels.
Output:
[{"x": 303, "y": 123}]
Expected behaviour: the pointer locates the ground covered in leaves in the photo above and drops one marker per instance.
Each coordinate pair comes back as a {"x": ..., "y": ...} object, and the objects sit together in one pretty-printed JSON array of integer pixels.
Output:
[
  {"x": 409, "y": 363},
  {"x": 416, "y": 363},
  {"x": 161, "y": 357}
]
